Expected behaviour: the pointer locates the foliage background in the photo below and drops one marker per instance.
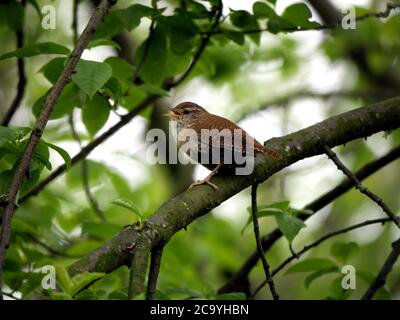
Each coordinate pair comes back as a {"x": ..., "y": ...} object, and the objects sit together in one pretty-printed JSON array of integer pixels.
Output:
[{"x": 272, "y": 83}]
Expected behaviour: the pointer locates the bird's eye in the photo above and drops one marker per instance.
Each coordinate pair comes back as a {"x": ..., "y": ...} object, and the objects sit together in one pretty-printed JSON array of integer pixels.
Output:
[{"x": 186, "y": 111}]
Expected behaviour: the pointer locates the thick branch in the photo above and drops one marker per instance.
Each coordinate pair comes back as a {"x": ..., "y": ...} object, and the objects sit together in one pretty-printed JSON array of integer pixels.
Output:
[
  {"x": 268, "y": 240},
  {"x": 40, "y": 125},
  {"x": 380, "y": 279},
  {"x": 180, "y": 211}
]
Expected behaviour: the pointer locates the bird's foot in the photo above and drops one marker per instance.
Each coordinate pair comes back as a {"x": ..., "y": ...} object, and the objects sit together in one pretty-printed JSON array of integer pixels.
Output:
[{"x": 205, "y": 181}]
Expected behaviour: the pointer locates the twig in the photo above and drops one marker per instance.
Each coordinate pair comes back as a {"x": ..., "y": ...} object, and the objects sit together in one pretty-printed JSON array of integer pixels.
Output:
[
  {"x": 155, "y": 264},
  {"x": 85, "y": 173},
  {"x": 318, "y": 242},
  {"x": 21, "y": 78},
  {"x": 203, "y": 44},
  {"x": 380, "y": 279},
  {"x": 40, "y": 125},
  {"x": 316, "y": 205},
  {"x": 332, "y": 155},
  {"x": 264, "y": 261}
]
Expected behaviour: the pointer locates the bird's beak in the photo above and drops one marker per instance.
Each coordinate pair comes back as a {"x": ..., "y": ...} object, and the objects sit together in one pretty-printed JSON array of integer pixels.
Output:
[{"x": 172, "y": 115}]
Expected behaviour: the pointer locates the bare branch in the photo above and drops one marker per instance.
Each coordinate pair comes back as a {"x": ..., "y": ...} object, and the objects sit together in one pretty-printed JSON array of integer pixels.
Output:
[
  {"x": 332, "y": 155},
  {"x": 40, "y": 125},
  {"x": 264, "y": 261},
  {"x": 380, "y": 279}
]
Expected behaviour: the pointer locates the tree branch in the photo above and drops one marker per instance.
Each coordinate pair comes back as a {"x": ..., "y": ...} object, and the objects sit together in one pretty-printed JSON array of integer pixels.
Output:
[
  {"x": 380, "y": 279},
  {"x": 317, "y": 243},
  {"x": 268, "y": 240},
  {"x": 21, "y": 79},
  {"x": 40, "y": 125},
  {"x": 182, "y": 210},
  {"x": 155, "y": 264},
  {"x": 332, "y": 155},
  {"x": 260, "y": 251}
]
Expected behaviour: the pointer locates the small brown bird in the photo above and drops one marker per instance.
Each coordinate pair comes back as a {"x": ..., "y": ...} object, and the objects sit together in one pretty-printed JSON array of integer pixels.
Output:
[{"x": 189, "y": 115}]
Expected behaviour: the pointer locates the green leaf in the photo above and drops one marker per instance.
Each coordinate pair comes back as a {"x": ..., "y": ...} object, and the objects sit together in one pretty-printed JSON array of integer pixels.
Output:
[
  {"x": 12, "y": 15},
  {"x": 37, "y": 49},
  {"x": 41, "y": 155},
  {"x": 118, "y": 295},
  {"x": 110, "y": 26},
  {"x": 184, "y": 291},
  {"x": 337, "y": 292},
  {"x": 268, "y": 210},
  {"x": 90, "y": 76},
  {"x": 5, "y": 181},
  {"x": 317, "y": 274},
  {"x": 231, "y": 296},
  {"x": 247, "y": 22},
  {"x": 120, "y": 68},
  {"x": 53, "y": 69},
  {"x": 127, "y": 204},
  {"x": 312, "y": 264},
  {"x": 235, "y": 36},
  {"x": 262, "y": 10},
  {"x": 68, "y": 99},
  {"x": 84, "y": 279},
  {"x": 343, "y": 251},
  {"x": 299, "y": 14},
  {"x": 181, "y": 31},
  {"x": 95, "y": 113},
  {"x": 154, "y": 67},
  {"x": 60, "y": 296},
  {"x": 277, "y": 24},
  {"x": 64, "y": 154},
  {"x": 289, "y": 225},
  {"x": 132, "y": 15},
  {"x": 12, "y": 134},
  {"x": 64, "y": 279},
  {"x": 153, "y": 89},
  {"x": 103, "y": 42}
]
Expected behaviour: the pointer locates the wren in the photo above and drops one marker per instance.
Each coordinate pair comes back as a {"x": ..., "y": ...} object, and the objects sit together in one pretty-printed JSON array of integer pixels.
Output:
[{"x": 192, "y": 117}]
